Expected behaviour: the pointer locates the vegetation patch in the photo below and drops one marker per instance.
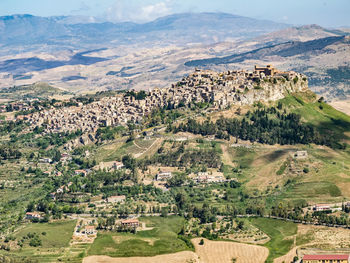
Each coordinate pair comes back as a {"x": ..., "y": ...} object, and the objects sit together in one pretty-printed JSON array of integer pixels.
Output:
[
  {"x": 164, "y": 237},
  {"x": 280, "y": 232}
]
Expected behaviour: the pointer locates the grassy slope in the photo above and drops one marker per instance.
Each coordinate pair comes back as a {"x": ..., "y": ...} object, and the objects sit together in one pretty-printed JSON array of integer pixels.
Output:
[
  {"x": 323, "y": 116},
  {"x": 280, "y": 233},
  {"x": 162, "y": 239}
]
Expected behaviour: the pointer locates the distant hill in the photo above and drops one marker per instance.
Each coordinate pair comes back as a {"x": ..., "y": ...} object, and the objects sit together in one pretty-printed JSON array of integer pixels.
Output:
[
  {"x": 300, "y": 33},
  {"x": 34, "y": 91},
  {"x": 21, "y": 30},
  {"x": 288, "y": 49}
]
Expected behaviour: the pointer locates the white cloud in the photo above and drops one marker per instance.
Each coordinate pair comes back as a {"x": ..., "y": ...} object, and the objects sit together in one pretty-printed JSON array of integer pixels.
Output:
[{"x": 137, "y": 11}]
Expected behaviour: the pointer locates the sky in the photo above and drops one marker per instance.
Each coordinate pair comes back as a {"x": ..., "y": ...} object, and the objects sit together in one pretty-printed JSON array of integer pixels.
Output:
[{"x": 328, "y": 13}]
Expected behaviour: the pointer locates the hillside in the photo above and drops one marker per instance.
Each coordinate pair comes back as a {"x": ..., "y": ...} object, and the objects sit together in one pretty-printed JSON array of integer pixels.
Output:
[
  {"x": 210, "y": 157},
  {"x": 35, "y": 91}
]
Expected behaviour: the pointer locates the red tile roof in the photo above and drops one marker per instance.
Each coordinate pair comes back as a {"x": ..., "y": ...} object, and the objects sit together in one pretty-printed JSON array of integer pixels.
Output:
[
  {"x": 326, "y": 257},
  {"x": 130, "y": 221}
]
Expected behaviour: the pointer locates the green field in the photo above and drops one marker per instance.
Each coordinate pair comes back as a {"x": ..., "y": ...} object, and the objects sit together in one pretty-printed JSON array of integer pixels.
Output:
[
  {"x": 55, "y": 239},
  {"x": 162, "y": 239},
  {"x": 281, "y": 234}
]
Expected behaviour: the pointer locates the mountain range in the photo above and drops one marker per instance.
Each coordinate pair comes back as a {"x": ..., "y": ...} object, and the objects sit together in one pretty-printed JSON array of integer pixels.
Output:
[
  {"x": 80, "y": 54},
  {"x": 59, "y": 32}
]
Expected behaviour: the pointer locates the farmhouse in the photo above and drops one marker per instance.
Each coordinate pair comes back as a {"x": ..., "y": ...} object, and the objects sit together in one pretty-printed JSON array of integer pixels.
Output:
[
  {"x": 118, "y": 165},
  {"x": 116, "y": 199},
  {"x": 32, "y": 215},
  {"x": 130, "y": 223},
  {"x": 321, "y": 207},
  {"x": 326, "y": 259}
]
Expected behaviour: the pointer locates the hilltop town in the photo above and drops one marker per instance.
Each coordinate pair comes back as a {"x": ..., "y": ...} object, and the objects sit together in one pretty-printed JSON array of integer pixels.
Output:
[{"x": 220, "y": 90}]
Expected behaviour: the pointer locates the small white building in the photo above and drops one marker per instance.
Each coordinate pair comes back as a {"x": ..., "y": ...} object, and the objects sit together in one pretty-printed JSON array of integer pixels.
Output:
[
  {"x": 321, "y": 207},
  {"x": 118, "y": 165},
  {"x": 163, "y": 176},
  {"x": 116, "y": 199},
  {"x": 300, "y": 155},
  {"x": 32, "y": 215}
]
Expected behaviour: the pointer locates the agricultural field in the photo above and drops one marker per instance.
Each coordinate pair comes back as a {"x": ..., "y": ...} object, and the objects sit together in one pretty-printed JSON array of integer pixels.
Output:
[
  {"x": 228, "y": 252},
  {"x": 282, "y": 235},
  {"x": 162, "y": 239},
  {"x": 44, "y": 242}
]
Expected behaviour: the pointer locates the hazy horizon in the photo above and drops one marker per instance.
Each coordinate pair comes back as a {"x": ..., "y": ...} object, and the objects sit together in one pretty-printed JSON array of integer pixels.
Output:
[{"x": 328, "y": 13}]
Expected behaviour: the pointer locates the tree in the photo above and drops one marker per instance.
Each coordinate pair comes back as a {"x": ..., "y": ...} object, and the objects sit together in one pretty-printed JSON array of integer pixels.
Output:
[
  {"x": 201, "y": 242},
  {"x": 164, "y": 212},
  {"x": 56, "y": 156},
  {"x": 181, "y": 200},
  {"x": 30, "y": 207},
  {"x": 129, "y": 162}
]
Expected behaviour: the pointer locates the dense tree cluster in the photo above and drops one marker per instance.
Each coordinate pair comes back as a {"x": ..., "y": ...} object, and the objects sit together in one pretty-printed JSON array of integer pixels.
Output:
[
  {"x": 184, "y": 158},
  {"x": 7, "y": 152},
  {"x": 266, "y": 125},
  {"x": 109, "y": 133},
  {"x": 141, "y": 95},
  {"x": 57, "y": 139}
]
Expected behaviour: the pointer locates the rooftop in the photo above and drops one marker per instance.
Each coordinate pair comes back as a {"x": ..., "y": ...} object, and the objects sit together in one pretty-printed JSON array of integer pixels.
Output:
[{"x": 326, "y": 257}]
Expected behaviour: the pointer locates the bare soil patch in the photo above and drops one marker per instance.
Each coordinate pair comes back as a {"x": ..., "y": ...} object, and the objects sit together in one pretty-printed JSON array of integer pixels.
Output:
[
  {"x": 225, "y": 252},
  {"x": 341, "y": 105},
  {"x": 180, "y": 257}
]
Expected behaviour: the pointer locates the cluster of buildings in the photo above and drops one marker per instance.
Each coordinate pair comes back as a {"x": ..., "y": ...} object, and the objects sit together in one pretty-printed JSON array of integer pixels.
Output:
[{"x": 219, "y": 89}]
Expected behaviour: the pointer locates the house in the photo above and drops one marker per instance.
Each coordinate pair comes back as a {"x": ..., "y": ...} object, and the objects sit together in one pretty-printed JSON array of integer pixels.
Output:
[
  {"x": 45, "y": 160},
  {"x": 326, "y": 259},
  {"x": 130, "y": 223},
  {"x": 33, "y": 215},
  {"x": 118, "y": 165},
  {"x": 163, "y": 176},
  {"x": 202, "y": 178},
  {"x": 90, "y": 230},
  {"x": 300, "y": 155},
  {"x": 60, "y": 190},
  {"x": 205, "y": 178},
  {"x": 116, "y": 199},
  {"x": 321, "y": 207},
  {"x": 216, "y": 179}
]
